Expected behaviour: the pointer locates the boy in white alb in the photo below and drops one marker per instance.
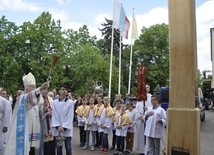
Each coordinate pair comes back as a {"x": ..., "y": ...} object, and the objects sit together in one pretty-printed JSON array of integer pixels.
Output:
[
  {"x": 134, "y": 115},
  {"x": 90, "y": 124},
  {"x": 81, "y": 121},
  {"x": 104, "y": 122},
  {"x": 155, "y": 117},
  {"x": 121, "y": 124},
  {"x": 99, "y": 107},
  {"x": 62, "y": 120},
  {"x": 117, "y": 113}
]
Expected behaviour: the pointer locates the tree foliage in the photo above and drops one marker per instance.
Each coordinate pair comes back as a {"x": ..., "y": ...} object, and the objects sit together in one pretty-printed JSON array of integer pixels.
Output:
[
  {"x": 83, "y": 59},
  {"x": 152, "y": 49}
]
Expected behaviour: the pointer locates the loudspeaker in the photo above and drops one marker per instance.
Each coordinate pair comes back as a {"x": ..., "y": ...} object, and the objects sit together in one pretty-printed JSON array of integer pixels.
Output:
[{"x": 99, "y": 83}]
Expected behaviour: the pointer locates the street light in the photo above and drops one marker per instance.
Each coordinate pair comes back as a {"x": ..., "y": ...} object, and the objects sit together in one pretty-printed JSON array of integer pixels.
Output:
[{"x": 27, "y": 43}]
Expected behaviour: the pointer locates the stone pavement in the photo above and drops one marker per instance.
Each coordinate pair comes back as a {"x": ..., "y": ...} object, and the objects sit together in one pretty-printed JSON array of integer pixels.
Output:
[
  {"x": 207, "y": 134},
  {"x": 207, "y": 139},
  {"x": 79, "y": 151}
]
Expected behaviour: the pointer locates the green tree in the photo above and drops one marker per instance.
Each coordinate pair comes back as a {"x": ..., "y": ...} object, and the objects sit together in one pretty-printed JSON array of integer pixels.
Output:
[
  {"x": 87, "y": 66},
  {"x": 105, "y": 46},
  {"x": 105, "y": 43},
  {"x": 20, "y": 58},
  {"x": 45, "y": 38},
  {"x": 8, "y": 63},
  {"x": 152, "y": 49},
  {"x": 83, "y": 59}
]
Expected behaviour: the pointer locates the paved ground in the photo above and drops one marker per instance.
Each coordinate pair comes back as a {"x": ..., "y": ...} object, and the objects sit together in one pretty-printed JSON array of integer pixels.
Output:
[
  {"x": 207, "y": 139},
  {"x": 207, "y": 134}
]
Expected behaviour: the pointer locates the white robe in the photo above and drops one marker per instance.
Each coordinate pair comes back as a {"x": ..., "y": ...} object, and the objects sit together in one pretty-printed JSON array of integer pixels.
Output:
[
  {"x": 11, "y": 148},
  {"x": 117, "y": 113},
  {"x": 122, "y": 131},
  {"x": 62, "y": 116},
  {"x": 5, "y": 120},
  {"x": 153, "y": 128},
  {"x": 106, "y": 121},
  {"x": 140, "y": 128},
  {"x": 34, "y": 126},
  {"x": 81, "y": 120},
  {"x": 134, "y": 115},
  {"x": 91, "y": 120},
  {"x": 148, "y": 102}
]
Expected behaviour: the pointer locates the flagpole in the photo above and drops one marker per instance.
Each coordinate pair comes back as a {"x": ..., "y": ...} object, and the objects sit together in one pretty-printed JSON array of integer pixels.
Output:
[
  {"x": 112, "y": 44},
  {"x": 130, "y": 64},
  {"x": 111, "y": 56},
  {"x": 119, "y": 81},
  {"x": 130, "y": 69}
]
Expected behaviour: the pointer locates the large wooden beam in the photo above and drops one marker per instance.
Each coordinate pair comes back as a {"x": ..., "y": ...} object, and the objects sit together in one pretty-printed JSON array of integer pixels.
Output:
[{"x": 183, "y": 118}]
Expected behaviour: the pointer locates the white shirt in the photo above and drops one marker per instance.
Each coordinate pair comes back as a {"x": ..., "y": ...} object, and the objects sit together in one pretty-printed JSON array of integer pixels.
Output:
[
  {"x": 62, "y": 116},
  {"x": 106, "y": 121},
  {"x": 5, "y": 112},
  {"x": 122, "y": 131},
  {"x": 153, "y": 128},
  {"x": 148, "y": 102},
  {"x": 134, "y": 115},
  {"x": 91, "y": 120}
]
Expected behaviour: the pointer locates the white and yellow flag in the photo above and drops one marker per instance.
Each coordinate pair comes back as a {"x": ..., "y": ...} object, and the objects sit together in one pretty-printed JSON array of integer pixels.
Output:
[{"x": 134, "y": 28}]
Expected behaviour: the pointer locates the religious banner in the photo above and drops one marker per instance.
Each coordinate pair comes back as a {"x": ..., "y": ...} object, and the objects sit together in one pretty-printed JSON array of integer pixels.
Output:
[{"x": 141, "y": 84}]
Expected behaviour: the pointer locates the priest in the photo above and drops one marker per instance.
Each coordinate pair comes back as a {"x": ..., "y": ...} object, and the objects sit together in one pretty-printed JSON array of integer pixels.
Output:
[{"x": 18, "y": 139}]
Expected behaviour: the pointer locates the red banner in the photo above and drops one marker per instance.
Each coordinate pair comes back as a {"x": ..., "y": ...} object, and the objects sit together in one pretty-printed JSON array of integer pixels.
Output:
[{"x": 141, "y": 84}]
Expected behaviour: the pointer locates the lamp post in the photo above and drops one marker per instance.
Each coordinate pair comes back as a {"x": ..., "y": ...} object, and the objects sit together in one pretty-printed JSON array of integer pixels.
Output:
[
  {"x": 67, "y": 69},
  {"x": 27, "y": 43},
  {"x": 212, "y": 54}
]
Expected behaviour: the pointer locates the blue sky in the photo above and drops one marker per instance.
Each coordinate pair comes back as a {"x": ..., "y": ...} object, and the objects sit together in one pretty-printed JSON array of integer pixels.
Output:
[{"x": 75, "y": 13}]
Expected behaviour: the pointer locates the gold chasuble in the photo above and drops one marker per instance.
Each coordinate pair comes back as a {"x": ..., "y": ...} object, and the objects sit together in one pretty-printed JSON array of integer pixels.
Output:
[
  {"x": 125, "y": 119},
  {"x": 80, "y": 110},
  {"x": 109, "y": 111},
  {"x": 87, "y": 111},
  {"x": 99, "y": 109}
]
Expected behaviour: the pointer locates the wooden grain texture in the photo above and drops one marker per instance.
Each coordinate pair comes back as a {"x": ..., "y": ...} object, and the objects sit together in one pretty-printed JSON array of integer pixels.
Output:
[
  {"x": 183, "y": 117},
  {"x": 184, "y": 130},
  {"x": 183, "y": 54}
]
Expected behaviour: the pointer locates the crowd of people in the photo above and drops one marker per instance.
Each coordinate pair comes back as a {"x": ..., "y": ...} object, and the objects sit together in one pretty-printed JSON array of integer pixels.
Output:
[{"x": 38, "y": 121}]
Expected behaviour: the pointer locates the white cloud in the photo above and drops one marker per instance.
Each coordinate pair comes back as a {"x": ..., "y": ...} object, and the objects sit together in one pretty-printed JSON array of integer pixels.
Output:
[
  {"x": 205, "y": 21},
  {"x": 93, "y": 30},
  {"x": 59, "y": 15},
  {"x": 73, "y": 25},
  {"x": 92, "y": 26},
  {"x": 19, "y": 5},
  {"x": 60, "y": 1},
  {"x": 96, "y": 23},
  {"x": 100, "y": 18},
  {"x": 204, "y": 14},
  {"x": 148, "y": 19},
  {"x": 63, "y": 1},
  {"x": 154, "y": 16}
]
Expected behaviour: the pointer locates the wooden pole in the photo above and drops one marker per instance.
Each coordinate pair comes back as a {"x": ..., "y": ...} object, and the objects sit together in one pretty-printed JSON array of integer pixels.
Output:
[{"x": 183, "y": 128}]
